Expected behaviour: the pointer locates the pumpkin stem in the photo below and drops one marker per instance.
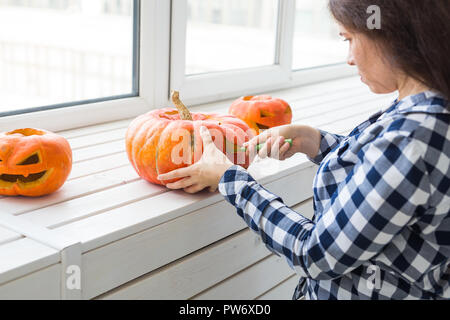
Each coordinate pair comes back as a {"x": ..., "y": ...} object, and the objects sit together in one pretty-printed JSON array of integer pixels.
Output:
[{"x": 182, "y": 109}]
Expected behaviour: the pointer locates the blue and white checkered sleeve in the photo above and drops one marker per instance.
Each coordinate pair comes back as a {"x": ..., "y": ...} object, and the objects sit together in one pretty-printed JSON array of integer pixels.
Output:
[
  {"x": 327, "y": 143},
  {"x": 387, "y": 187}
]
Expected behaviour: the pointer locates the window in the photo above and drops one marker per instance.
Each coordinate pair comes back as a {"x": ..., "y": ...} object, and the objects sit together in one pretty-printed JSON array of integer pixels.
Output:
[
  {"x": 116, "y": 59},
  {"x": 232, "y": 34},
  {"x": 316, "y": 40},
  {"x": 60, "y": 52}
]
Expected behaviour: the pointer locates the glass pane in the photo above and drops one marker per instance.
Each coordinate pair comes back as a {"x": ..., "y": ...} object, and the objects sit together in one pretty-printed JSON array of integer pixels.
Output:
[
  {"x": 61, "y": 51},
  {"x": 230, "y": 34},
  {"x": 316, "y": 39}
]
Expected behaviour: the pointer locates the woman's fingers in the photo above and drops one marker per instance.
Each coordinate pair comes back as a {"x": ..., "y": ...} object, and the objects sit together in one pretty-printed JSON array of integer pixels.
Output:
[
  {"x": 275, "y": 148},
  {"x": 194, "y": 189},
  {"x": 272, "y": 148},
  {"x": 251, "y": 152},
  {"x": 181, "y": 184},
  {"x": 261, "y": 138},
  {"x": 206, "y": 136},
  {"x": 175, "y": 174},
  {"x": 265, "y": 150},
  {"x": 283, "y": 150}
]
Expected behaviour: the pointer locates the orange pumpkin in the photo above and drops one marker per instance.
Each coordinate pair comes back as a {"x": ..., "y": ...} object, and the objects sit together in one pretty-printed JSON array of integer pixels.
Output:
[
  {"x": 167, "y": 139},
  {"x": 262, "y": 112},
  {"x": 33, "y": 162}
]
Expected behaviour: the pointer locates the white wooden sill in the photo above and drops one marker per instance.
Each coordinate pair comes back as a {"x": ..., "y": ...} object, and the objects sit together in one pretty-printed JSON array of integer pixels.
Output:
[{"x": 134, "y": 239}]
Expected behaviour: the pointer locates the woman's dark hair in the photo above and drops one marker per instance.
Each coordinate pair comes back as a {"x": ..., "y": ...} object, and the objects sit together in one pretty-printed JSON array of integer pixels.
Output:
[{"x": 415, "y": 34}]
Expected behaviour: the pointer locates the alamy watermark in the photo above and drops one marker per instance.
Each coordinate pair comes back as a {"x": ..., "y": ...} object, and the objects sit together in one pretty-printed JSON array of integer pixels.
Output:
[
  {"x": 73, "y": 278},
  {"x": 374, "y": 280},
  {"x": 374, "y": 20}
]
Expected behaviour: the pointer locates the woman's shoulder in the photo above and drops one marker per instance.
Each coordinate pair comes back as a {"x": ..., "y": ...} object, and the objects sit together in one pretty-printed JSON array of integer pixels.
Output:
[
  {"x": 427, "y": 102},
  {"x": 422, "y": 116},
  {"x": 422, "y": 120}
]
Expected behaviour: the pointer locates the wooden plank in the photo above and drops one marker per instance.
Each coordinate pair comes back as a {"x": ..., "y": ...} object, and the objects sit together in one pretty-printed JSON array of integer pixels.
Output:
[
  {"x": 196, "y": 272},
  {"x": 114, "y": 264},
  {"x": 7, "y": 235},
  {"x": 251, "y": 282},
  {"x": 93, "y": 204},
  {"x": 97, "y": 138},
  {"x": 71, "y": 190},
  {"x": 99, "y": 128},
  {"x": 24, "y": 256},
  {"x": 100, "y": 164},
  {"x": 283, "y": 291},
  {"x": 101, "y": 150},
  {"x": 40, "y": 285}
]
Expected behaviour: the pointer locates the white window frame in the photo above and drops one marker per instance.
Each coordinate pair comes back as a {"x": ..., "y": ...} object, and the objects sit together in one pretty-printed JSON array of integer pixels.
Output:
[{"x": 162, "y": 69}]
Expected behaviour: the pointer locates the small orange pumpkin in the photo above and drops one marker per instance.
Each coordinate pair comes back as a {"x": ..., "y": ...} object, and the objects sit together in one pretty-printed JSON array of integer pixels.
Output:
[
  {"x": 33, "y": 162},
  {"x": 262, "y": 112},
  {"x": 167, "y": 139}
]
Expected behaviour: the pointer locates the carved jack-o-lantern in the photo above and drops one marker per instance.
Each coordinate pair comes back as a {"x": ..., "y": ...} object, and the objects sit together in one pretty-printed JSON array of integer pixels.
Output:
[
  {"x": 262, "y": 112},
  {"x": 33, "y": 162}
]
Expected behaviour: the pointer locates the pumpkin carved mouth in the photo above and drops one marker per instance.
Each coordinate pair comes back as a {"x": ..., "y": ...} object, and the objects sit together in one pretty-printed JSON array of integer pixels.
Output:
[
  {"x": 11, "y": 181},
  {"x": 12, "y": 178}
]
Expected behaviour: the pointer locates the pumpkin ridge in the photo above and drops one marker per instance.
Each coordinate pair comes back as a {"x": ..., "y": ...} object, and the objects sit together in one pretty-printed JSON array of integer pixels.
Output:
[
  {"x": 154, "y": 134},
  {"x": 139, "y": 141}
]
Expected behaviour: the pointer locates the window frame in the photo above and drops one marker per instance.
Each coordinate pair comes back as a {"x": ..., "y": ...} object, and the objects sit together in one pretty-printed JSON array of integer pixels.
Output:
[{"x": 161, "y": 68}]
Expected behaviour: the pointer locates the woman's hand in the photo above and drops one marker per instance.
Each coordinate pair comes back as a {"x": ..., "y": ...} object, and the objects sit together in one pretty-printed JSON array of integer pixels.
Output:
[
  {"x": 305, "y": 139},
  {"x": 207, "y": 172},
  {"x": 274, "y": 143}
]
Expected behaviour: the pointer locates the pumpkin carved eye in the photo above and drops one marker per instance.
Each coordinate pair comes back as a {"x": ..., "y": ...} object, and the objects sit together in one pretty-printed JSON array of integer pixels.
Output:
[
  {"x": 34, "y": 159},
  {"x": 265, "y": 114}
]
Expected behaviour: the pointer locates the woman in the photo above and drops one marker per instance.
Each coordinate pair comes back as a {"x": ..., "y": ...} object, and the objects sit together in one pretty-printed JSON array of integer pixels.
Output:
[{"x": 381, "y": 194}]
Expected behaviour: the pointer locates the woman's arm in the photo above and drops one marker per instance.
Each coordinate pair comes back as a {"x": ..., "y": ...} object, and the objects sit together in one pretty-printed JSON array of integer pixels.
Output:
[
  {"x": 315, "y": 143},
  {"x": 318, "y": 143},
  {"x": 387, "y": 186}
]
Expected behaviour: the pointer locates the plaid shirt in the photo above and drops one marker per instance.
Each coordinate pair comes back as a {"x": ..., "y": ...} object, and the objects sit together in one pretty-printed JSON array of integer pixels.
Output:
[{"x": 381, "y": 228}]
